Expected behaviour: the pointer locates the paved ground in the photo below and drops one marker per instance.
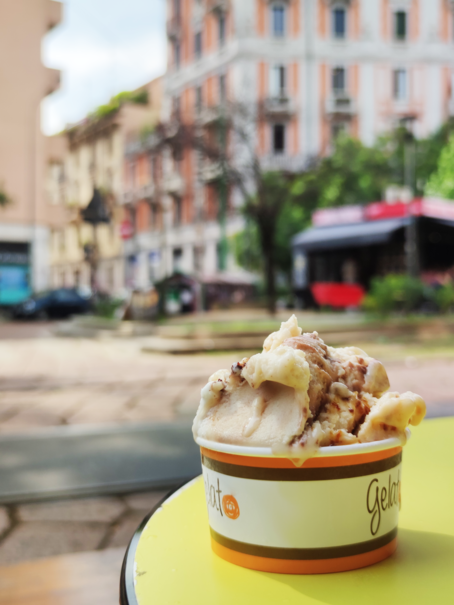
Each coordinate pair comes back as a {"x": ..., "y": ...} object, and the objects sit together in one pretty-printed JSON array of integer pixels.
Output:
[
  {"x": 50, "y": 382},
  {"x": 46, "y": 381},
  {"x": 34, "y": 531}
]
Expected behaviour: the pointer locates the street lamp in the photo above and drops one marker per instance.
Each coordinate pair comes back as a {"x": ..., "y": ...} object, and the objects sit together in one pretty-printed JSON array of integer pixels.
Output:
[
  {"x": 411, "y": 232},
  {"x": 95, "y": 213}
]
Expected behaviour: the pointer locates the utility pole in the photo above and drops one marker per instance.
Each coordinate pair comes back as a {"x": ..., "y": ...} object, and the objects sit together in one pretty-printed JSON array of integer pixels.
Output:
[
  {"x": 223, "y": 191},
  {"x": 411, "y": 231}
]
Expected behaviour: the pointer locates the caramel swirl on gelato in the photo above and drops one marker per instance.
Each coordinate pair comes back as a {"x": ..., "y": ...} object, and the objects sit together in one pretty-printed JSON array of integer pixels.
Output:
[{"x": 300, "y": 394}]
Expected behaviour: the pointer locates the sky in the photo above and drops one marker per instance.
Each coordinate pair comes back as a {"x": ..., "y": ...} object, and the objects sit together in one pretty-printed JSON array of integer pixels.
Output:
[{"x": 101, "y": 47}]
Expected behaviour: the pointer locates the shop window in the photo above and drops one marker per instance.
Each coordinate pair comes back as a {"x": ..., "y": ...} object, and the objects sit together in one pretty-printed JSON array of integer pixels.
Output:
[
  {"x": 338, "y": 80},
  {"x": 278, "y": 138},
  {"x": 400, "y": 26},
  {"x": 278, "y": 20},
  {"x": 277, "y": 81},
  {"x": 221, "y": 29},
  {"x": 400, "y": 84},
  {"x": 339, "y": 18},
  {"x": 198, "y": 45}
]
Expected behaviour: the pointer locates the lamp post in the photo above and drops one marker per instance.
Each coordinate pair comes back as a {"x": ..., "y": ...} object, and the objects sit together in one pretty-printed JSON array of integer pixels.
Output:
[
  {"x": 95, "y": 213},
  {"x": 411, "y": 231}
]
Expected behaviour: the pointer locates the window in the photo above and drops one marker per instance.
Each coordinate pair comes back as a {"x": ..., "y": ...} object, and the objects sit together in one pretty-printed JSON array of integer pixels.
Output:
[
  {"x": 278, "y": 138},
  {"x": 339, "y": 22},
  {"x": 278, "y": 81},
  {"x": 221, "y": 29},
  {"x": 222, "y": 89},
  {"x": 176, "y": 107},
  {"x": 198, "y": 99},
  {"x": 198, "y": 45},
  {"x": 177, "y": 259},
  {"x": 177, "y": 10},
  {"x": 177, "y": 211},
  {"x": 153, "y": 217},
  {"x": 278, "y": 20},
  {"x": 177, "y": 54},
  {"x": 400, "y": 84},
  {"x": 338, "y": 80},
  {"x": 400, "y": 25}
]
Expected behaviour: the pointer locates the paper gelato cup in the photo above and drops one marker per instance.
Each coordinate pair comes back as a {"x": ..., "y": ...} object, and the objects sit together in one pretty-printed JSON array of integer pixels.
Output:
[{"x": 337, "y": 512}]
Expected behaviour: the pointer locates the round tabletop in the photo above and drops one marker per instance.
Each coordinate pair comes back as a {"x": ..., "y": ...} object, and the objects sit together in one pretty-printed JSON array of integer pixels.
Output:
[{"x": 170, "y": 561}]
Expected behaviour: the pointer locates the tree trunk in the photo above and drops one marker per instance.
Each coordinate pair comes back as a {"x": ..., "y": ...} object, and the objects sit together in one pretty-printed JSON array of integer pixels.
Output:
[{"x": 270, "y": 279}]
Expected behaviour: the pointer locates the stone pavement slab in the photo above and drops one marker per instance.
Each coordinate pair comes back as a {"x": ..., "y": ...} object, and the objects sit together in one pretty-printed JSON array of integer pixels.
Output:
[{"x": 69, "y": 461}]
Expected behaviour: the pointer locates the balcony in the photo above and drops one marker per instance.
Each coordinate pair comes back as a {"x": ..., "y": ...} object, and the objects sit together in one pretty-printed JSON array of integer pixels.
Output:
[
  {"x": 279, "y": 107},
  {"x": 174, "y": 28},
  {"x": 174, "y": 183},
  {"x": 208, "y": 115},
  {"x": 147, "y": 192},
  {"x": 218, "y": 5},
  {"x": 284, "y": 162},
  {"x": 210, "y": 172},
  {"x": 340, "y": 104}
]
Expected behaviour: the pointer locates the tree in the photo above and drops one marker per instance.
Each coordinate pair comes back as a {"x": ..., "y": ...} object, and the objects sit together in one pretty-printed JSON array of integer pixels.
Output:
[
  {"x": 441, "y": 182},
  {"x": 226, "y": 146},
  {"x": 352, "y": 174}
]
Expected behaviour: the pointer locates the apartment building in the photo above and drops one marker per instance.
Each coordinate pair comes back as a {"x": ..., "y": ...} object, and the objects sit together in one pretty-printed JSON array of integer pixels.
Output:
[
  {"x": 88, "y": 162},
  {"x": 24, "y": 231},
  {"x": 309, "y": 69}
]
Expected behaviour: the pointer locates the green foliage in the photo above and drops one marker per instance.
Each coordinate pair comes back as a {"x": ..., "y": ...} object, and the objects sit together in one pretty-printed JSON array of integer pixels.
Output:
[
  {"x": 441, "y": 182},
  {"x": 353, "y": 174},
  {"x": 287, "y": 218},
  {"x": 444, "y": 297},
  {"x": 4, "y": 198},
  {"x": 106, "y": 307},
  {"x": 394, "y": 293},
  {"x": 136, "y": 97}
]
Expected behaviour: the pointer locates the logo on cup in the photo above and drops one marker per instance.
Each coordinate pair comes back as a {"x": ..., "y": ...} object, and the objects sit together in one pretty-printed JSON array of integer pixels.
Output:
[{"x": 230, "y": 507}]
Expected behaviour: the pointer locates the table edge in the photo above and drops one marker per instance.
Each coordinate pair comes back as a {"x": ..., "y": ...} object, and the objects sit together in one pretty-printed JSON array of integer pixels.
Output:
[{"x": 127, "y": 591}]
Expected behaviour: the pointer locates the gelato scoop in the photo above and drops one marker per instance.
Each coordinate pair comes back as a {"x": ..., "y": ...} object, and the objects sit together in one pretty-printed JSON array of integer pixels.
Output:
[{"x": 299, "y": 395}]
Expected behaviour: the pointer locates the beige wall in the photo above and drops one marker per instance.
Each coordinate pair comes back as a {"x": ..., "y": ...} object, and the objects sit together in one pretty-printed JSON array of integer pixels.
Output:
[
  {"x": 93, "y": 155},
  {"x": 24, "y": 82}
]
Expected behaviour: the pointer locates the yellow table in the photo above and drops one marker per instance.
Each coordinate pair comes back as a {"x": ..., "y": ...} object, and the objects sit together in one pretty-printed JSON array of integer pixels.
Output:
[{"x": 171, "y": 560}]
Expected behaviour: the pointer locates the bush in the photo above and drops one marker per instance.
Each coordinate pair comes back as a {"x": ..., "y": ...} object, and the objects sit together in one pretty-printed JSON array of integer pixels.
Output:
[
  {"x": 106, "y": 307},
  {"x": 394, "y": 293},
  {"x": 444, "y": 297}
]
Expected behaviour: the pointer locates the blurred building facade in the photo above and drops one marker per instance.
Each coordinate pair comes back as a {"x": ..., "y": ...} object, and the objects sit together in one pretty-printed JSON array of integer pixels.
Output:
[
  {"x": 310, "y": 69},
  {"x": 24, "y": 221},
  {"x": 89, "y": 156}
]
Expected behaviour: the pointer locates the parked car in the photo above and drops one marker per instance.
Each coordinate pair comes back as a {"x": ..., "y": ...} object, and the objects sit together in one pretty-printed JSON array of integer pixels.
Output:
[{"x": 53, "y": 304}]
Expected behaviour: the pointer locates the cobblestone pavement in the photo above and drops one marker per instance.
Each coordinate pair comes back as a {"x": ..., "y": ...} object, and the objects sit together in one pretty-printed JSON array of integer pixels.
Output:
[{"x": 46, "y": 529}]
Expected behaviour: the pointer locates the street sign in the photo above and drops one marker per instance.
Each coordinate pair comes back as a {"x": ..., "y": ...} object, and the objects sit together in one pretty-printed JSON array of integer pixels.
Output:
[{"x": 126, "y": 230}]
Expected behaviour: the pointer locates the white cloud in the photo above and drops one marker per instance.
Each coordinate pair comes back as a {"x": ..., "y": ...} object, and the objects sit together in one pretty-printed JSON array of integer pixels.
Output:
[{"x": 100, "y": 53}]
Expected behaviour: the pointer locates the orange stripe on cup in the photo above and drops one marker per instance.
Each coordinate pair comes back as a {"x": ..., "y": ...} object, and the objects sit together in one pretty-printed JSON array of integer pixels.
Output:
[
  {"x": 290, "y": 566},
  {"x": 315, "y": 462}
]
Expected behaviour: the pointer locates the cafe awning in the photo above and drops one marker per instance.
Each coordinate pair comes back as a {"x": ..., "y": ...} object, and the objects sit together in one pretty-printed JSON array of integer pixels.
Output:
[{"x": 348, "y": 236}]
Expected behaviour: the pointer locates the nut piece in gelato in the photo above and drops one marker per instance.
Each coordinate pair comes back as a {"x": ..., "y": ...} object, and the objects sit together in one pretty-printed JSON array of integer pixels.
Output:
[{"x": 299, "y": 395}]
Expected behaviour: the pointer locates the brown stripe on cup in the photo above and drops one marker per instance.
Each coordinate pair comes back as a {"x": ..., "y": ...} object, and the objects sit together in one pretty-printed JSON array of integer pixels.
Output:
[
  {"x": 302, "y": 474},
  {"x": 304, "y": 554}
]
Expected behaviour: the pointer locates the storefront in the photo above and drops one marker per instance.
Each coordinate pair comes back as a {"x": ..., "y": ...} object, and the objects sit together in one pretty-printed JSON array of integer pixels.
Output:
[
  {"x": 335, "y": 260},
  {"x": 14, "y": 273}
]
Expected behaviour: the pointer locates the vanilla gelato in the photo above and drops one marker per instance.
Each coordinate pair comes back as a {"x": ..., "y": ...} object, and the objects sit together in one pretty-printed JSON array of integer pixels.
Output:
[{"x": 299, "y": 395}]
